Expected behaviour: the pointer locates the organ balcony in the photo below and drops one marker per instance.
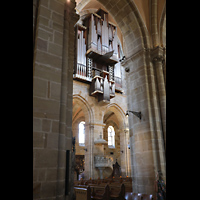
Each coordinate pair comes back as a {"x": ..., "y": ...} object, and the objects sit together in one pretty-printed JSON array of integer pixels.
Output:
[
  {"x": 102, "y": 86},
  {"x": 97, "y": 55}
]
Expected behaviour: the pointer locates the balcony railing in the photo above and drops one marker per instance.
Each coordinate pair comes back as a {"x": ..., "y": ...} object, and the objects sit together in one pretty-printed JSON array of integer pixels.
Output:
[{"x": 81, "y": 72}]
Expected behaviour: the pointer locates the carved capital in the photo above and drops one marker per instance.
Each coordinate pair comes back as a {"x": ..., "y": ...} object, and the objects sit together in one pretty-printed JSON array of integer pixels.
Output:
[
  {"x": 157, "y": 55},
  {"x": 158, "y": 59}
]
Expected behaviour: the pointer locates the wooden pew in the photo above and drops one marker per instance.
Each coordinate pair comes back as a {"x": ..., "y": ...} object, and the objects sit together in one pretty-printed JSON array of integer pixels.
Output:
[
  {"x": 135, "y": 196},
  {"x": 147, "y": 197},
  {"x": 117, "y": 192},
  {"x": 100, "y": 193},
  {"x": 128, "y": 186},
  {"x": 111, "y": 181},
  {"x": 82, "y": 193},
  {"x": 108, "y": 192}
]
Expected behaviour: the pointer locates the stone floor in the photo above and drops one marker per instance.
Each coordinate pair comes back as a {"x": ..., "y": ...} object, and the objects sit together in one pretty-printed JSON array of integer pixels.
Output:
[{"x": 128, "y": 195}]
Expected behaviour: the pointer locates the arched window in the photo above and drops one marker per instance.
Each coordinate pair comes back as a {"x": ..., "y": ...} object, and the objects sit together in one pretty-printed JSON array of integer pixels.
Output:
[
  {"x": 111, "y": 137},
  {"x": 82, "y": 133}
]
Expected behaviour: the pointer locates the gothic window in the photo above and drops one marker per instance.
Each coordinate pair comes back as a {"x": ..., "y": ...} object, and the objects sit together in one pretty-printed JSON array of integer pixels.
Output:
[
  {"x": 82, "y": 133},
  {"x": 111, "y": 137}
]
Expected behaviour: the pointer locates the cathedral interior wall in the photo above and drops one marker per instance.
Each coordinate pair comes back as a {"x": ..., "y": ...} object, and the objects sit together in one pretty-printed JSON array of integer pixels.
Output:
[{"x": 54, "y": 92}]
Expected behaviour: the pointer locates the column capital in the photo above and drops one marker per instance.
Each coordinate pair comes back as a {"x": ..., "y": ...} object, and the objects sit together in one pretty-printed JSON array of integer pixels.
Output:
[
  {"x": 89, "y": 125},
  {"x": 157, "y": 54},
  {"x": 158, "y": 58}
]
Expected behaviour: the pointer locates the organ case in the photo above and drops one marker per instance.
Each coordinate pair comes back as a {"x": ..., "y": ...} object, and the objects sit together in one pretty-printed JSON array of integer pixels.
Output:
[{"x": 96, "y": 53}]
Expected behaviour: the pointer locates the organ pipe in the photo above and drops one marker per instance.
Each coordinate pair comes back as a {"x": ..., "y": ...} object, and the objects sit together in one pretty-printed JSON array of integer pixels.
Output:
[
  {"x": 101, "y": 54},
  {"x": 81, "y": 58},
  {"x": 115, "y": 47},
  {"x": 92, "y": 34},
  {"x": 105, "y": 39}
]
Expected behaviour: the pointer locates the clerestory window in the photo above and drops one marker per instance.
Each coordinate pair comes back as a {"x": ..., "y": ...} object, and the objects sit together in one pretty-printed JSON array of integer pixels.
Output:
[
  {"x": 111, "y": 137},
  {"x": 82, "y": 133}
]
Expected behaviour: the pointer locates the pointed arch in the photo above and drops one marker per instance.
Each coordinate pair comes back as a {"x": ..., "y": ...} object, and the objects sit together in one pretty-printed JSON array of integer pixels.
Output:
[
  {"x": 120, "y": 114},
  {"x": 82, "y": 102}
]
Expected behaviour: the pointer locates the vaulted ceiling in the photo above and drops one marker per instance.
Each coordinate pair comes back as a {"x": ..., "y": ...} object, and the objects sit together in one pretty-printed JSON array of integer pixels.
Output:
[{"x": 143, "y": 6}]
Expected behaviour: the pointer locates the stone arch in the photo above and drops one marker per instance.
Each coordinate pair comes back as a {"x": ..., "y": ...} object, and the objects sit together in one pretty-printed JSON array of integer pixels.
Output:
[
  {"x": 85, "y": 107},
  {"x": 129, "y": 20},
  {"x": 119, "y": 113},
  {"x": 89, "y": 131},
  {"x": 120, "y": 126}
]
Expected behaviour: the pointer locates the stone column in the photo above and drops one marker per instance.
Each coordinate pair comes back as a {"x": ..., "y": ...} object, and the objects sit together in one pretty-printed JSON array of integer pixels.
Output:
[
  {"x": 65, "y": 125},
  {"x": 164, "y": 64},
  {"x": 127, "y": 150},
  {"x": 47, "y": 73},
  {"x": 98, "y": 149},
  {"x": 138, "y": 98},
  {"x": 146, "y": 143},
  {"x": 158, "y": 64},
  {"x": 154, "y": 22},
  {"x": 123, "y": 151},
  {"x": 89, "y": 158}
]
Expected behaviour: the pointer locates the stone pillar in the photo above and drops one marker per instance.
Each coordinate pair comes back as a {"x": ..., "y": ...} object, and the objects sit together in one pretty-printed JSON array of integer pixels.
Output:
[
  {"x": 52, "y": 97},
  {"x": 154, "y": 22},
  {"x": 123, "y": 152},
  {"x": 92, "y": 151},
  {"x": 146, "y": 143},
  {"x": 65, "y": 125},
  {"x": 164, "y": 64},
  {"x": 127, "y": 155},
  {"x": 47, "y": 73},
  {"x": 89, "y": 145},
  {"x": 142, "y": 160},
  {"x": 158, "y": 64}
]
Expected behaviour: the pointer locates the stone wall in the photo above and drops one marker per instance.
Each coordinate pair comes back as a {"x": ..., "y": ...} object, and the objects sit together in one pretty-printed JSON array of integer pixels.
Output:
[
  {"x": 53, "y": 56},
  {"x": 91, "y": 107},
  {"x": 52, "y": 77}
]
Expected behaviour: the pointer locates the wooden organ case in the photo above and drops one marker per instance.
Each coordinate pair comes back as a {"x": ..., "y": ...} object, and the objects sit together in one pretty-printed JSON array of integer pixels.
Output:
[{"x": 96, "y": 55}]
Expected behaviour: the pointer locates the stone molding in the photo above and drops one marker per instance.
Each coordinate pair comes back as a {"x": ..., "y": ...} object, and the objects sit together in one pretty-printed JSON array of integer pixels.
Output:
[{"x": 157, "y": 55}]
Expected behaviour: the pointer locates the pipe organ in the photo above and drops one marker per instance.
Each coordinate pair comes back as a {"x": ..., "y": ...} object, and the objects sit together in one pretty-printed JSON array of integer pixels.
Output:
[{"x": 96, "y": 55}]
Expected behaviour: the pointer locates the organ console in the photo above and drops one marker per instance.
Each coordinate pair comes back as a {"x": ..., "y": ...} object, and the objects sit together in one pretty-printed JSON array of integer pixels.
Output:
[{"x": 97, "y": 55}]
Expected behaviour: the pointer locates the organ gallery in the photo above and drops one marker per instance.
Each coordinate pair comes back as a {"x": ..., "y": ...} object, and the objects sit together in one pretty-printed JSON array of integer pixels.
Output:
[{"x": 97, "y": 55}]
